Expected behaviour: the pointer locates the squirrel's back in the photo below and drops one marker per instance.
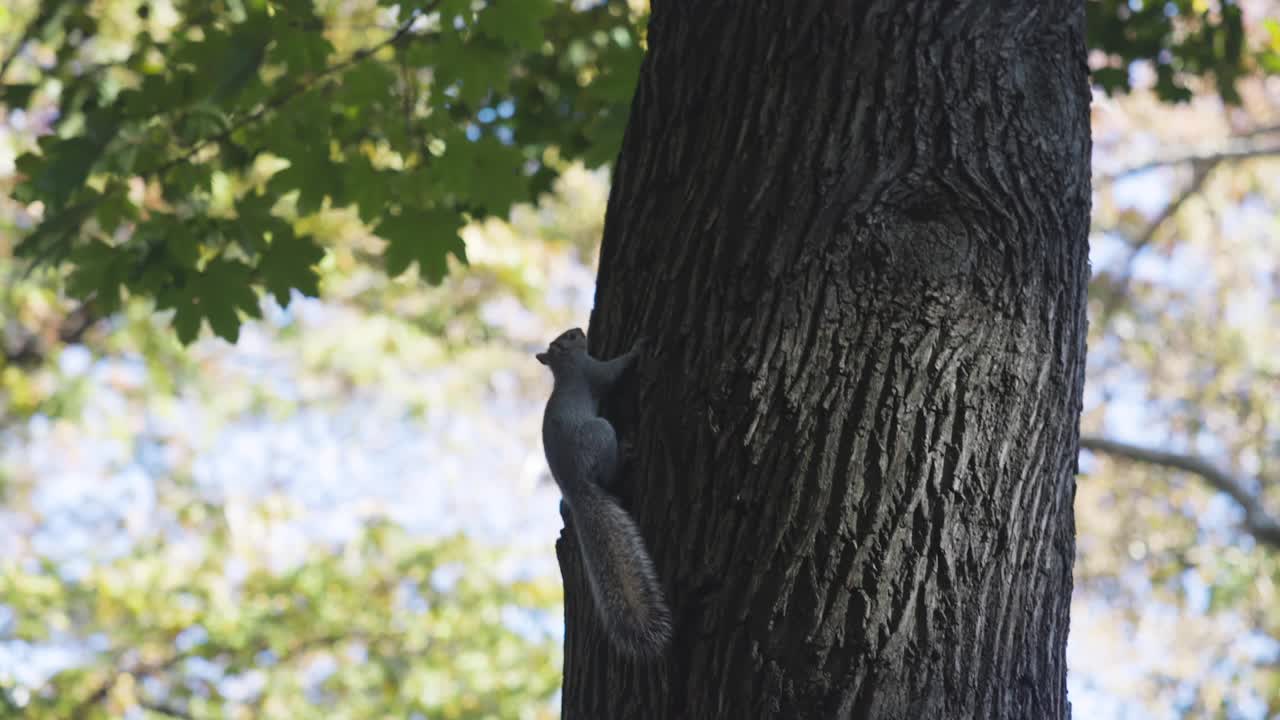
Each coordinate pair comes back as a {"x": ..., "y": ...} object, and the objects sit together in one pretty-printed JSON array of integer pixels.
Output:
[{"x": 581, "y": 447}]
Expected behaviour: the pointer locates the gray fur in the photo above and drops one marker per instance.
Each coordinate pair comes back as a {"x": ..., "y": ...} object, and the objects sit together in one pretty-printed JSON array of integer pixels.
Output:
[{"x": 582, "y": 450}]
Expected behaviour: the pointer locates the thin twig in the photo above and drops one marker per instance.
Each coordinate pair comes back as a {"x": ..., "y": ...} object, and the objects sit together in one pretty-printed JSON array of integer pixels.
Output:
[
  {"x": 1260, "y": 130},
  {"x": 1120, "y": 286},
  {"x": 1264, "y": 526}
]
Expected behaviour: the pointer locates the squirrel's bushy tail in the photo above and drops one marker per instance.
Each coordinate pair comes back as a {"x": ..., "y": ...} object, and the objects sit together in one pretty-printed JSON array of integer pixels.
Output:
[{"x": 625, "y": 587}]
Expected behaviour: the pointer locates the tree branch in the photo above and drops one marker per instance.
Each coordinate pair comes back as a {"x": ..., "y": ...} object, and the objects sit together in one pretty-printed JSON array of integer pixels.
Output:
[
  {"x": 1257, "y": 521},
  {"x": 146, "y": 670},
  {"x": 32, "y": 351},
  {"x": 276, "y": 102},
  {"x": 162, "y": 709},
  {"x": 86, "y": 705},
  {"x": 284, "y": 98},
  {"x": 1241, "y": 147},
  {"x": 1119, "y": 287}
]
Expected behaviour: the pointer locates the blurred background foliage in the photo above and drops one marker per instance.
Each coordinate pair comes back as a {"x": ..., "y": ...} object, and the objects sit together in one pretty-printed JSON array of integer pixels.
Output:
[{"x": 388, "y": 206}]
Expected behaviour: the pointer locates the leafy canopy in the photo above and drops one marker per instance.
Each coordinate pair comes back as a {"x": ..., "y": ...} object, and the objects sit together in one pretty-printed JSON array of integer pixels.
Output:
[
  {"x": 176, "y": 170},
  {"x": 385, "y": 626}
]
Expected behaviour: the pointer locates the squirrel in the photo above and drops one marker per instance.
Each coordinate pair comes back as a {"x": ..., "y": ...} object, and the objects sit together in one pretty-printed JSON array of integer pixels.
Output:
[{"x": 582, "y": 451}]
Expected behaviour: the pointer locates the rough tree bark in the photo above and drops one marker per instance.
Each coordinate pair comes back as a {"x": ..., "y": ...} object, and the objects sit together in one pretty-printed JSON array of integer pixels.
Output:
[{"x": 857, "y": 234}]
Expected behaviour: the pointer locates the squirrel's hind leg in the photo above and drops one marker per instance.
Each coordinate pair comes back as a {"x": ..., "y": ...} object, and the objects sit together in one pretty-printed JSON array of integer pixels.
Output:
[{"x": 600, "y": 446}]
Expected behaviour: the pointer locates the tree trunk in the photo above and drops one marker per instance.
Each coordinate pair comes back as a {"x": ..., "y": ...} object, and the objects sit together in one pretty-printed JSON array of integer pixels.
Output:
[{"x": 856, "y": 233}]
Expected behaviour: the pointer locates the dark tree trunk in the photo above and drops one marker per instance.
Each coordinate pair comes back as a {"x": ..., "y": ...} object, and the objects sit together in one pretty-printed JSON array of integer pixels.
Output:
[{"x": 856, "y": 233}]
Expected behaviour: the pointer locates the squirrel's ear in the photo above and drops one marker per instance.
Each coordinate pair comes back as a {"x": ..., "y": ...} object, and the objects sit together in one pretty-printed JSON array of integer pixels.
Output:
[{"x": 542, "y": 358}]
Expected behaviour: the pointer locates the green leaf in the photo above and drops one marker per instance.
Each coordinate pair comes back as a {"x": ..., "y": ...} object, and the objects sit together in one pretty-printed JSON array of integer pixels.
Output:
[
  {"x": 156, "y": 94},
  {"x": 365, "y": 186},
  {"x": 245, "y": 51},
  {"x": 517, "y": 23},
  {"x": 186, "y": 180},
  {"x": 98, "y": 271},
  {"x": 114, "y": 208},
  {"x": 301, "y": 136},
  {"x": 17, "y": 95},
  {"x": 312, "y": 175},
  {"x": 1270, "y": 61},
  {"x": 289, "y": 263},
  {"x": 478, "y": 64},
  {"x": 1111, "y": 79},
  {"x": 217, "y": 295},
  {"x": 302, "y": 51},
  {"x": 422, "y": 236},
  {"x": 187, "y": 319},
  {"x": 1168, "y": 88},
  {"x": 368, "y": 85},
  {"x": 619, "y": 71},
  {"x": 486, "y": 173},
  {"x": 51, "y": 240},
  {"x": 605, "y": 139},
  {"x": 182, "y": 245},
  {"x": 66, "y": 168},
  {"x": 200, "y": 65},
  {"x": 223, "y": 290}
]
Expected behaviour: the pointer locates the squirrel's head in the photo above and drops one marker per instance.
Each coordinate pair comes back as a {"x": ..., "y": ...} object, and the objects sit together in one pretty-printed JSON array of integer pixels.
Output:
[{"x": 569, "y": 342}]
